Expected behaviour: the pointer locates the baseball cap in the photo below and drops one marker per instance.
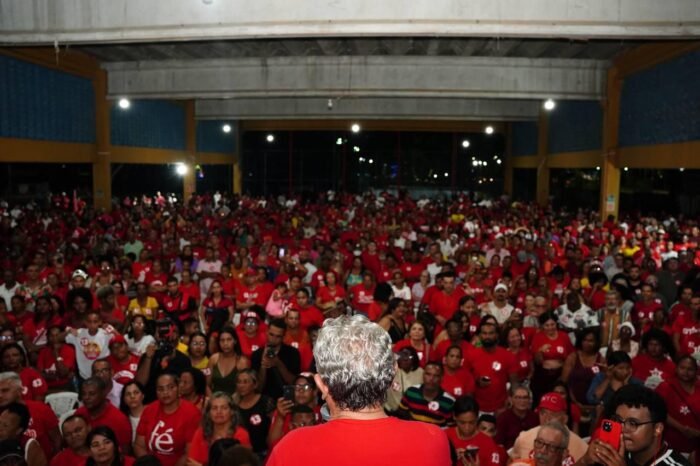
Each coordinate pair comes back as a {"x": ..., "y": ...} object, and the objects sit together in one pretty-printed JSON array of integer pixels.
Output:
[
  {"x": 80, "y": 273},
  {"x": 500, "y": 286},
  {"x": 251, "y": 315},
  {"x": 117, "y": 339},
  {"x": 553, "y": 402}
]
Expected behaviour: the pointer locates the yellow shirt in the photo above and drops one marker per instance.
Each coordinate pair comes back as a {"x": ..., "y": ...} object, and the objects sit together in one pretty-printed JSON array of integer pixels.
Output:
[{"x": 149, "y": 311}]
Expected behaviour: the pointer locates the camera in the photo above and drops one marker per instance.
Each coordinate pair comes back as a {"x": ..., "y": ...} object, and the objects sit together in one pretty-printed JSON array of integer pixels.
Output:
[
  {"x": 607, "y": 426},
  {"x": 164, "y": 330},
  {"x": 270, "y": 353}
]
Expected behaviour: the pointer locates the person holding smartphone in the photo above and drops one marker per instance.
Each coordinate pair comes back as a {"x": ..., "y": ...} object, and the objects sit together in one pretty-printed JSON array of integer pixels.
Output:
[{"x": 471, "y": 446}]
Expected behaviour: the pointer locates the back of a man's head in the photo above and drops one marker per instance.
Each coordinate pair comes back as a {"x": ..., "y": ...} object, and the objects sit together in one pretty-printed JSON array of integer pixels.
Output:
[{"x": 355, "y": 360}]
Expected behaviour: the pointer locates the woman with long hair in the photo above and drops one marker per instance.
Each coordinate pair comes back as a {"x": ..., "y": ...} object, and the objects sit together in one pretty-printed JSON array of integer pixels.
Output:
[
  {"x": 255, "y": 409},
  {"x": 216, "y": 310},
  {"x": 193, "y": 387},
  {"x": 353, "y": 276},
  {"x": 131, "y": 403},
  {"x": 418, "y": 341},
  {"x": 220, "y": 420},
  {"x": 104, "y": 449},
  {"x": 197, "y": 350},
  {"x": 550, "y": 348},
  {"x": 225, "y": 364},
  {"x": 512, "y": 340},
  {"x": 393, "y": 319}
]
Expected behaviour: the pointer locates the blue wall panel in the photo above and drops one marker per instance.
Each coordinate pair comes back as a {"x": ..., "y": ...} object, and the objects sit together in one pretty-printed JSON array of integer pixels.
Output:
[
  {"x": 211, "y": 138},
  {"x": 575, "y": 126},
  {"x": 662, "y": 104},
  {"x": 524, "y": 134},
  {"x": 149, "y": 123},
  {"x": 45, "y": 104}
]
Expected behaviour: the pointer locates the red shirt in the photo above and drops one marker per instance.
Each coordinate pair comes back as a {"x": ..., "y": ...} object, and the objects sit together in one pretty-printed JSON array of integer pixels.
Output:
[
  {"x": 488, "y": 451},
  {"x": 362, "y": 297},
  {"x": 166, "y": 435},
  {"x": 445, "y": 305},
  {"x": 644, "y": 311},
  {"x": 498, "y": 365},
  {"x": 47, "y": 362},
  {"x": 326, "y": 294},
  {"x": 112, "y": 418},
  {"x": 199, "y": 447},
  {"x": 559, "y": 348},
  {"x": 689, "y": 331},
  {"x": 652, "y": 372},
  {"x": 681, "y": 405},
  {"x": 458, "y": 384},
  {"x": 248, "y": 344},
  {"x": 423, "y": 356},
  {"x": 350, "y": 442},
  {"x": 523, "y": 359},
  {"x": 42, "y": 420},
  {"x": 67, "y": 457},
  {"x": 33, "y": 384},
  {"x": 309, "y": 316},
  {"x": 124, "y": 372},
  {"x": 441, "y": 350}
]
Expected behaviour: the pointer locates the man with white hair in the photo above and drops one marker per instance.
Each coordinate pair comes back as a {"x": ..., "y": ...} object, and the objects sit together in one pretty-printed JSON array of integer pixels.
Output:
[
  {"x": 43, "y": 424},
  {"x": 551, "y": 444},
  {"x": 355, "y": 370}
]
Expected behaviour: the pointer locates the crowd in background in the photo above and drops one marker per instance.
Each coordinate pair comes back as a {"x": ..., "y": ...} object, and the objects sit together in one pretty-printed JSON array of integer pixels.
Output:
[{"x": 188, "y": 329}]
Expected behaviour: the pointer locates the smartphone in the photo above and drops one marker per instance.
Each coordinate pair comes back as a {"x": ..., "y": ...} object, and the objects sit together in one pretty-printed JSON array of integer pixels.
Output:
[
  {"x": 281, "y": 253},
  {"x": 610, "y": 433},
  {"x": 288, "y": 392},
  {"x": 471, "y": 453},
  {"x": 270, "y": 353}
]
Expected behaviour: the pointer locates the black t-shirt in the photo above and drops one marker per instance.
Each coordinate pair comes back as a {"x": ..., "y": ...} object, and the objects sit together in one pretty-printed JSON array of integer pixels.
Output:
[
  {"x": 175, "y": 365},
  {"x": 666, "y": 457},
  {"x": 273, "y": 379},
  {"x": 257, "y": 420}
]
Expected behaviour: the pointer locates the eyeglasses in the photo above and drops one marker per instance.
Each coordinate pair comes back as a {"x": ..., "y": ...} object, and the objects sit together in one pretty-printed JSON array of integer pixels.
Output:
[
  {"x": 630, "y": 425},
  {"x": 302, "y": 387},
  {"x": 300, "y": 424},
  {"x": 541, "y": 445},
  {"x": 198, "y": 343}
]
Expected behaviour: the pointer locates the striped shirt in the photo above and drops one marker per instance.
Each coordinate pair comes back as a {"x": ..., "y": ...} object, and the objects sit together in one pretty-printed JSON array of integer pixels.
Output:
[
  {"x": 437, "y": 411},
  {"x": 665, "y": 457}
]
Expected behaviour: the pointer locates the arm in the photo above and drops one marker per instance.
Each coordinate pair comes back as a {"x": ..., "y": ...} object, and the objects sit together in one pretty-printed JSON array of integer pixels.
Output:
[
  {"x": 140, "y": 446},
  {"x": 144, "y": 371},
  {"x": 385, "y": 323},
  {"x": 568, "y": 367},
  {"x": 277, "y": 425},
  {"x": 35, "y": 455},
  {"x": 598, "y": 387}
]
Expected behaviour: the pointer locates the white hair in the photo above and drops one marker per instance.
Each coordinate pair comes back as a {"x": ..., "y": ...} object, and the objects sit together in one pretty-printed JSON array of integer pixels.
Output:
[
  {"x": 355, "y": 360},
  {"x": 12, "y": 377},
  {"x": 561, "y": 428}
]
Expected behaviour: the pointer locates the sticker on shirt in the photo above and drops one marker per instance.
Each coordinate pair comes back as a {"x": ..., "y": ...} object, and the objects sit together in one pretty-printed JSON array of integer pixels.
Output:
[
  {"x": 458, "y": 391},
  {"x": 36, "y": 383},
  {"x": 523, "y": 364},
  {"x": 496, "y": 366},
  {"x": 433, "y": 406},
  {"x": 294, "y": 344},
  {"x": 91, "y": 349},
  {"x": 396, "y": 386},
  {"x": 655, "y": 378},
  {"x": 420, "y": 355},
  {"x": 595, "y": 369},
  {"x": 560, "y": 349},
  {"x": 255, "y": 420}
]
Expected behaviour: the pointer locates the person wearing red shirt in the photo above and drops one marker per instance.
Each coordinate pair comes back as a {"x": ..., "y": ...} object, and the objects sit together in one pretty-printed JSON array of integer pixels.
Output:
[
  {"x": 56, "y": 361},
  {"x": 177, "y": 303},
  {"x": 250, "y": 335},
  {"x": 298, "y": 338},
  {"x": 329, "y": 295},
  {"x": 644, "y": 309},
  {"x": 455, "y": 337},
  {"x": 167, "y": 424},
  {"x": 653, "y": 366},
  {"x": 513, "y": 340},
  {"x": 124, "y": 363},
  {"x": 305, "y": 394},
  {"x": 550, "y": 347},
  {"x": 359, "y": 431},
  {"x": 363, "y": 293},
  {"x": 682, "y": 396},
  {"x": 683, "y": 305},
  {"x": 445, "y": 302},
  {"x": 250, "y": 293},
  {"x": 219, "y": 421},
  {"x": 33, "y": 384},
  {"x": 98, "y": 411},
  {"x": 417, "y": 340},
  {"x": 686, "y": 331},
  {"x": 370, "y": 258},
  {"x": 75, "y": 430},
  {"x": 492, "y": 367},
  {"x": 470, "y": 445},
  {"x": 308, "y": 313},
  {"x": 456, "y": 380}
]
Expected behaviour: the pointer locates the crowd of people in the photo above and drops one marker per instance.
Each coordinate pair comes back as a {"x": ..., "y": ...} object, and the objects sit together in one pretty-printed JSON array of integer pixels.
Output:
[{"x": 189, "y": 330}]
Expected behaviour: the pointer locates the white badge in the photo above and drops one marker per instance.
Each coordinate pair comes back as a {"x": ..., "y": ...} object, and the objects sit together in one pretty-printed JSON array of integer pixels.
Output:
[{"x": 433, "y": 406}]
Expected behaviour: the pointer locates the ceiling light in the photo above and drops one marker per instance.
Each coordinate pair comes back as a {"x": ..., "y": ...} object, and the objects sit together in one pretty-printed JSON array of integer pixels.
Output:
[
  {"x": 339, "y": 141},
  {"x": 270, "y": 138},
  {"x": 181, "y": 169},
  {"x": 549, "y": 105},
  {"x": 489, "y": 130},
  {"x": 465, "y": 143},
  {"x": 355, "y": 128},
  {"x": 124, "y": 103},
  {"x": 226, "y": 128}
]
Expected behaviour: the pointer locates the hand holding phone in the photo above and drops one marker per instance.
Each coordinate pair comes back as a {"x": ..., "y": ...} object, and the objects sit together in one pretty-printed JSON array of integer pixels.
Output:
[
  {"x": 610, "y": 432},
  {"x": 288, "y": 392}
]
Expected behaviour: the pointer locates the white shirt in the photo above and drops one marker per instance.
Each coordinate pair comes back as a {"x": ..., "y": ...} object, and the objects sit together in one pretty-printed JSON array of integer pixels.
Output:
[
  {"x": 139, "y": 347},
  {"x": 500, "y": 313},
  {"x": 89, "y": 348},
  {"x": 114, "y": 396},
  {"x": 8, "y": 293}
]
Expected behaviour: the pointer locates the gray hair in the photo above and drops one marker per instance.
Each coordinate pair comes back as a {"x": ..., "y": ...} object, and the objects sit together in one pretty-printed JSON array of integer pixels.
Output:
[
  {"x": 515, "y": 388},
  {"x": 558, "y": 426},
  {"x": 11, "y": 377},
  {"x": 208, "y": 425},
  {"x": 355, "y": 360}
]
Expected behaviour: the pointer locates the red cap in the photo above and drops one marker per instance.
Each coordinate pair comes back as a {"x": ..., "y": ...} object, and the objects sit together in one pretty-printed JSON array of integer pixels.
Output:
[
  {"x": 251, "y": 315},
  {"x": 553, "y": 402},
  {"x": 117, "y": 339}
]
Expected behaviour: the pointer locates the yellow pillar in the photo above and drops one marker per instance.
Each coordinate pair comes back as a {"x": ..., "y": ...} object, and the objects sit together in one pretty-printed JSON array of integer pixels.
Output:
[
  {"x": 189, "y": 181},
  {"x": 610, "y": 168},
  {"x": 101, "y": 167},
  {"x": 542, "y": 195},
  {"x": 508, "y": 162},
  {"x": 237, "y": 174}
]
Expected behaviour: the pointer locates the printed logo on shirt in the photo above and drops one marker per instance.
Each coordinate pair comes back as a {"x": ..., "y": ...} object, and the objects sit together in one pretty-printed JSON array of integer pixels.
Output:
[
  {"x": 458, "y": 391},
  {"x": 36, "y": 383},
  {"x": 595, "y": 369},
  {"x": 523, "y": 364},
  {"x": 255, "y": 420},
  {"x": 420, "y": 355},
  {"x": 496, "y": 366},
  {"x": 560, "y": 349},
  {"x": 162, "y": 442},
  {"x": 684, "y": 410},
  {"x": 295, "y": 344},
  {"x": 433, "y": 406},
  {"x": 256, "y": 347},
  {"x": 396, "y": 386}
]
